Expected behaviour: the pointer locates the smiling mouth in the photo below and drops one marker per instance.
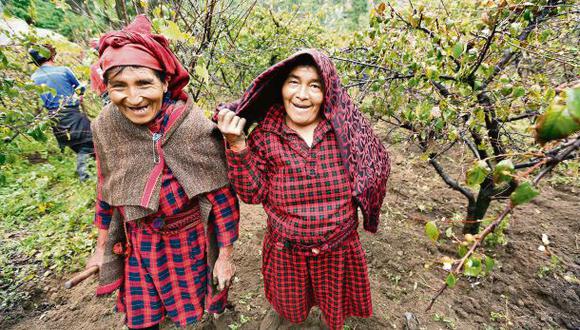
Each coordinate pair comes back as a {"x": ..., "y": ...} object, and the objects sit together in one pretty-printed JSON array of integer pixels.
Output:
[
  {"x": 301, "y": 107},
  {"x": 141, "y": 109}
]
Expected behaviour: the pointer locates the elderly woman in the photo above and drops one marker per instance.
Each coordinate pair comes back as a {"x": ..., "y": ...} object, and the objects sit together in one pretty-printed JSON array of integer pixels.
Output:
[
  {"x": 311, "y": 161},
  {"x": 166, "y": 214}
]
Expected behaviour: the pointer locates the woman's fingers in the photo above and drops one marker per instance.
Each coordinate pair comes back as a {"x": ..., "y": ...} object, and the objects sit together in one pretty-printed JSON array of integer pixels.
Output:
[
  {"x": 222, "y": 113},
  {"x": 235, "y": 121},
  {"x": 241, "y": 125},
  {"x": 229, "y": 123}
]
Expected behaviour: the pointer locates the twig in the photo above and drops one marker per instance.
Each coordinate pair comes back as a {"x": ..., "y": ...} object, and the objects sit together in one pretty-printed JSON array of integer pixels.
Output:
[
  {"x": 550, "y": 164},
  {"x": 449, "y": 181}
]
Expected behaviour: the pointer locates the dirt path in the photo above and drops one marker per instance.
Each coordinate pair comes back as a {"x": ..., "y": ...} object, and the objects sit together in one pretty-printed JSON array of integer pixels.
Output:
[{"x": 527, "y": 290}]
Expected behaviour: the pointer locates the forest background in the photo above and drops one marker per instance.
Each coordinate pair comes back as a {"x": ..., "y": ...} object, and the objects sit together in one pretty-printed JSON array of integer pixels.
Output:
[{"x": 480, "y": 97}]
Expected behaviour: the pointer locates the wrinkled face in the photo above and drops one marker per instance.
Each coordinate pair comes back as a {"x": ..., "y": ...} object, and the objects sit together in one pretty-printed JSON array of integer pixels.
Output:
[
  {"x": 138, "y": 93},
  {"x": 302, "y": 95}
]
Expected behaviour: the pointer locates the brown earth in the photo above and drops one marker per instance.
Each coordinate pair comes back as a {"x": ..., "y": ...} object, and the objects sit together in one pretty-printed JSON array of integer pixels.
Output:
[{"x": 528, "y": 289}]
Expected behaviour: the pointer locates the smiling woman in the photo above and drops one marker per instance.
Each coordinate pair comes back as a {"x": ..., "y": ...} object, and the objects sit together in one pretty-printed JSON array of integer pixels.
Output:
[
  {"x": 302, "y": 96},
  {"x": 166, "y": 214},
  {"x": 311, "y": 161},
  {"x": 136, "y": 91}
]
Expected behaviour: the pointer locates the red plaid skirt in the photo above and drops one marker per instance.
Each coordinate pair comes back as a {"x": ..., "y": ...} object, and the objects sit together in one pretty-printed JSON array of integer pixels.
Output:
[
  {"x": 336, "y": 280},
  {"x": 167, "y": 274}
]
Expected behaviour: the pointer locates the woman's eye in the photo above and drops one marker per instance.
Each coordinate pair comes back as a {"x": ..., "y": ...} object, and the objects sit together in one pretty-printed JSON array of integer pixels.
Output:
[{"x": 315, "y": 86}]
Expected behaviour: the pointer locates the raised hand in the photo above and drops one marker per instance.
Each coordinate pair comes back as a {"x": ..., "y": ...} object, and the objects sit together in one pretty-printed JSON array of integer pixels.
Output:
[{"x": 232, "y": 128}]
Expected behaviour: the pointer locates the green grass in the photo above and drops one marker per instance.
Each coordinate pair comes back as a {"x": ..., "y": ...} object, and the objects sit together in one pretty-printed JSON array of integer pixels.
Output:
[{"x": 45, "y": 218}]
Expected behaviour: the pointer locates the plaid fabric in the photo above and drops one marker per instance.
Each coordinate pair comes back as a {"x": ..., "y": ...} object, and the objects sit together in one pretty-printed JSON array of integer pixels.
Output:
[
  {"x": 364, "y": 156},
  {"x": 305, "y": 190},
  {"x": 337, "y": 281},
  {"x": 307, "y": 195},
  {"x": 168, "y": 274}
]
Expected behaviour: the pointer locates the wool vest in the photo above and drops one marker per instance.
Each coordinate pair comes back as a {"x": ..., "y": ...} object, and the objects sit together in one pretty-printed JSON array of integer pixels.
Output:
[{"x": 131, "y": 158}]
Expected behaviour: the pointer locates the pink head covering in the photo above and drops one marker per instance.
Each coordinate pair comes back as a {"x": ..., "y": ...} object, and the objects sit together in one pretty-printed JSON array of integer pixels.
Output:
[{"x": 136, "y": 45}]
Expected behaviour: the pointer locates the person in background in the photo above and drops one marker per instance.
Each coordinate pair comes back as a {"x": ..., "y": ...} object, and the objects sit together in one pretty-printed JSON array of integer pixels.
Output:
[
  {"x": 71, "y": 127},
  {"x": 166, "y": 214},
  {"x": 311, "y": 161}
]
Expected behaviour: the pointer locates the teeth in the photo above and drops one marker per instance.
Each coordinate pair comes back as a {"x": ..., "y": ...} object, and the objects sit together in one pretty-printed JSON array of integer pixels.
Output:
[{"x": 139, "y": 109}]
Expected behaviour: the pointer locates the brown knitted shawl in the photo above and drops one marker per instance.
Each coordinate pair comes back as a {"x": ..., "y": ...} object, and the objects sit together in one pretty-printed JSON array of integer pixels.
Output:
[{"x": 130, "y": 163}]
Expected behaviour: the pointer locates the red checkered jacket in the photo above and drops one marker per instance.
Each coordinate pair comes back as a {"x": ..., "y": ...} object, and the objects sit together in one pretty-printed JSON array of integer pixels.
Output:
[{"x": 305, "y": 191}]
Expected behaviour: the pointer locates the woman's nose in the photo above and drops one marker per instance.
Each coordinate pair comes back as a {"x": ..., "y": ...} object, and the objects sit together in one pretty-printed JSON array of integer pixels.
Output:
[
  {"x": 134, "y": 96},
  {"x": 302, "y": 92}
]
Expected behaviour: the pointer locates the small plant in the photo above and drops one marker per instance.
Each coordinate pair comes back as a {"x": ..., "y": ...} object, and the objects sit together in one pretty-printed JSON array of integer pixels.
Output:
[
  {"x": 449, "y": 323},
  {"x": 555, "y": 266},
  {"x": 237, "y": 325}
]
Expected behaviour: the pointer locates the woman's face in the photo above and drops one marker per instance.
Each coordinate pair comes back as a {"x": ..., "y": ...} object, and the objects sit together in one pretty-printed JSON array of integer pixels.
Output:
[
  {"x": 138, "y": 93},
  {"x": 302, "y": 95}
]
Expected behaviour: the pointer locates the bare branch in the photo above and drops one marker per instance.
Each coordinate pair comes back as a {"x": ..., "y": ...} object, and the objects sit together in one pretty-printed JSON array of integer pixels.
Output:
[
  {"x": 449, "y": 181},
  {"x": 549, "y": 163},
  {"x": 527, "y": 114},
  {"x": 483, "y": 53}
]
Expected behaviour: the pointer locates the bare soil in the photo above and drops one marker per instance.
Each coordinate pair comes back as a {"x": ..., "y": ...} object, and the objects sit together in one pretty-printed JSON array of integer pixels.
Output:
[{"x": 528, "y": 289}]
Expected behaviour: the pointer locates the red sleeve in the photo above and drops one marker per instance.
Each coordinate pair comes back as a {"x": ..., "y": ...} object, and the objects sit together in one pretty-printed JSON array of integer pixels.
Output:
[
  {"x": 246, "y": 170},
  {"x": 103, "y": 214},
  {"x": 225, "y": 215}
]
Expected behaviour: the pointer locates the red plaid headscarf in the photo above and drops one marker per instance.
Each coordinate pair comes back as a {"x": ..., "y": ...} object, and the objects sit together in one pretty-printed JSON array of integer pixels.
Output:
[
  {"x": 135, "y": 45},
  {"x": 363, "y": 154}
]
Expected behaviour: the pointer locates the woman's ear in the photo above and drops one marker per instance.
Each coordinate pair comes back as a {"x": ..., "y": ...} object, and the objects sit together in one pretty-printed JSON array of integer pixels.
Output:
[{"x": 165, "y": 85}]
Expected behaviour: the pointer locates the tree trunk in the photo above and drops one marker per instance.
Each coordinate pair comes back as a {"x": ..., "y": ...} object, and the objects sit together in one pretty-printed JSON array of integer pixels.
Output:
[
  {"x": 138, "y": 8},
  {"x": 152, "y": 5},
  {"x": 476, "y": 211},
  {"x": 121, "y": 11}
]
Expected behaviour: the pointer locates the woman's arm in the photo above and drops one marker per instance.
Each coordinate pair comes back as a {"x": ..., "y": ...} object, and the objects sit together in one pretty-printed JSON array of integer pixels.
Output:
[
  {"x": 103, "y": 217},
  {"x": 225, "y": 218},
  {"x": 246, "y": 165}
]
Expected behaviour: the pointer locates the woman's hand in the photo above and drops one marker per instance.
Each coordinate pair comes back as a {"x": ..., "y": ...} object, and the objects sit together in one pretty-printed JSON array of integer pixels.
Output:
[
  {"x": 232, "y": 128},
  {"x": 97, "y": 258},
  {"x": 224, "y": 268}
]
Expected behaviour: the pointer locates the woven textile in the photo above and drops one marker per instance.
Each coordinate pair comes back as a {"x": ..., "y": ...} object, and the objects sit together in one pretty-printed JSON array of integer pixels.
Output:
[
  {"x": 336, "y": 281},
  {"x": 364, "y": 156},
  {"x": 307, "y": 196},
  {"x": 190, "y": 145},
  {"x": 168, "y": 274},
  {"x": 305, "y": 190}
]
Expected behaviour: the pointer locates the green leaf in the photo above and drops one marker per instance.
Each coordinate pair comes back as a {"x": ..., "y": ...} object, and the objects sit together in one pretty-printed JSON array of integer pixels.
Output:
[
  {"x": 201, "y": 71},
  {"x": 457, "y": 50},
  {"x": 477, "y": 173},
  {"x": 172, "y": 32},
  {"x": 503, "y": 171},
  {"x": 560, "y": 119},
  {"x": 449, "y": 232},
  {"x": 489, "y": 264},
  {"x": 573, "y": 103},
  {"x": 462, "y": 251},
  {"x": 472, "y": 267},
  {"x": 432, "y": 231},
  {"x": 2, "y": 159},
  {"x": 524, "y": 193},
  {"x": 37, "y": 134},
  {"x": 450, "y": 280},
  {"x": 518, "y": 92}
]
